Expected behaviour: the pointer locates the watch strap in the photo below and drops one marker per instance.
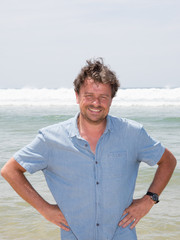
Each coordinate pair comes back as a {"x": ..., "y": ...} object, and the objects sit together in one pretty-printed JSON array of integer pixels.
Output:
[{"x": 154, "y": 196}]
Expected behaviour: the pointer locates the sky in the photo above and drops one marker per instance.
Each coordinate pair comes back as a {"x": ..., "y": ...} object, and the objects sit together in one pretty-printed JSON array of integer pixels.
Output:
[{"x": 45, "y": 43}]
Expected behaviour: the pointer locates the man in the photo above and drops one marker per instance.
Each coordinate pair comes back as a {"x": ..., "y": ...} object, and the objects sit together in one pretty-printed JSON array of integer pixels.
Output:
[{"x": 90, "y": 163}]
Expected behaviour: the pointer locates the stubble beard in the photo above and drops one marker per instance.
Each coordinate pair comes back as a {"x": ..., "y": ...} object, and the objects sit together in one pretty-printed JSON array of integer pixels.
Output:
[{"x": 92, "y": 120}]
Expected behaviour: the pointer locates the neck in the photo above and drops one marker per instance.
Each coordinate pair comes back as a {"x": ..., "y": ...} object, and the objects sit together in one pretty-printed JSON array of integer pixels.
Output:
[{"x": 86, "y": 127}]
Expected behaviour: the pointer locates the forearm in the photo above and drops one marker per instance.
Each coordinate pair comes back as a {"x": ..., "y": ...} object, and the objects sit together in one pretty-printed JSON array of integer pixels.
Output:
[
  {"x": 140, "y": 207},
  {"x": 164, "y": 172},
  {"x": 16, "y": 178},
  {"x": 14, "y": 174}
]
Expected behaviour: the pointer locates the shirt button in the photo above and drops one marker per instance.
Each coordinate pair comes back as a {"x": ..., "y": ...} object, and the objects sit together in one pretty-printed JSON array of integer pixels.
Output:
[
  {"x": 97, "y": 224},
  {"x": 97, "y": 182},
  {"x": 96, "y": 162},
  {"x": 86, "y": 145}
]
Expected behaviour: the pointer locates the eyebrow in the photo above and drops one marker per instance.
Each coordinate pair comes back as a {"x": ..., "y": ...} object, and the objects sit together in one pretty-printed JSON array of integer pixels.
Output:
[{"x": 91, "y": 93}]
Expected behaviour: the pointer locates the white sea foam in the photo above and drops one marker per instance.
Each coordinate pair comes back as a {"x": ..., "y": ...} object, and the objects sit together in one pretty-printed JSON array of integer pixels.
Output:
[{"x": 65, "y": 96}]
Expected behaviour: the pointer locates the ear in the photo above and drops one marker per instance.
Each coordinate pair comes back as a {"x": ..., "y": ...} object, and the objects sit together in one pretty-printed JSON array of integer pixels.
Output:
[{"x": 77, "y": 97}]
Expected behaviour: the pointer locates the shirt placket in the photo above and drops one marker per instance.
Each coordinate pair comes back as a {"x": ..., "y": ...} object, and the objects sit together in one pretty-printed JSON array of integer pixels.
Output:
[
  {"x": 97, "y": 193},
  {"x": 98, "y": 185}
]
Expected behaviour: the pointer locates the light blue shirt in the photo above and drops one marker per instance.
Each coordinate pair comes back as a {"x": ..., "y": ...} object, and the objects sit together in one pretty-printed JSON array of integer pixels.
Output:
[{"x": 92, "y": 190}]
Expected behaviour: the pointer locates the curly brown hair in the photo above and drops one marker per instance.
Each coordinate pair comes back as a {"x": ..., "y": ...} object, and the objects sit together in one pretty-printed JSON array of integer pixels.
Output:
[{"x": 96, "y": 70}]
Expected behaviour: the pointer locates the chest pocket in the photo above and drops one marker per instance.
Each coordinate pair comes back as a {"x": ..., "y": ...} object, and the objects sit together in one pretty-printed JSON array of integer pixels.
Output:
[{"x": 115, "y": 164}]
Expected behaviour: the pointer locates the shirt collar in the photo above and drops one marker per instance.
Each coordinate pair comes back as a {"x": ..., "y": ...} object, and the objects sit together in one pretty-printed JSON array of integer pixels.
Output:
[{"x": 74, "y": 131}]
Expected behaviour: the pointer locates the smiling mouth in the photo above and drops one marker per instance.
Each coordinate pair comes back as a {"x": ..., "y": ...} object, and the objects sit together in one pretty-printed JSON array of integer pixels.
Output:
[{"x": 94, "y": 110}]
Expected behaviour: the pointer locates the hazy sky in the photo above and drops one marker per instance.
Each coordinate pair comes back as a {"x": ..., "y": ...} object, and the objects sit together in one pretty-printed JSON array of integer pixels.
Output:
[{"x": 44, "y": 43}]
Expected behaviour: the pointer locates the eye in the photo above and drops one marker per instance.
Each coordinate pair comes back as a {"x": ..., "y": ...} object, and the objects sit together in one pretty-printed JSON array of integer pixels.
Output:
[
  {"x": 89, "y": 97},
  {"x": 103, "y": 98}
]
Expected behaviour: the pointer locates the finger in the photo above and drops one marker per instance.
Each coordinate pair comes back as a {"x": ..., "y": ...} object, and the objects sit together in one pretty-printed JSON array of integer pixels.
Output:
[
  {"x": 125, "y": 219},
  {"x": 134, "y": 223},
  {"x": 130, "y": 220},
  {"x": 64, "y": 227},
  {"x": 125, "y": 212},
  {"x": 63, "y": 221}
]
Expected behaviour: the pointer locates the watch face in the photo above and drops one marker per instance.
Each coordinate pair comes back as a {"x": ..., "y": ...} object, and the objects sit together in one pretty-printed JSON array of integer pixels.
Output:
[{"x": 155, "y": 197}]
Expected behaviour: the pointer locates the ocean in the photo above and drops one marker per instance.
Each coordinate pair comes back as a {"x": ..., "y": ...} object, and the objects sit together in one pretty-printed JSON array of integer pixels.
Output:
[{"x": 24, "y": 111}]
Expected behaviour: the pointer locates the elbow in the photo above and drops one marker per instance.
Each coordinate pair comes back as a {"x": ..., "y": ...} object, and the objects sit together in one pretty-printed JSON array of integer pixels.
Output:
[
  {"x": 8, "y": 173},
  {"x": 171, "y": 161},
  {"x": 174, "y": 162},
  {"x": 11, "y": 170},
  {"x": 168, "y": 160},
  {"x": 4, "y": 172},
  {"x": 8, "y": 170}
]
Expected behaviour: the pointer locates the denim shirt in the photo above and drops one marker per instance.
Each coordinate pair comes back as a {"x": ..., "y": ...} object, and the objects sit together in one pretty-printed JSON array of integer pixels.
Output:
[{"x": 92, "y": 190}]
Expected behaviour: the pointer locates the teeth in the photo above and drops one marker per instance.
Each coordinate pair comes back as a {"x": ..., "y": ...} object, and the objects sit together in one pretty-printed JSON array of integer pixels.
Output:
[{"x": 94, "y": 110}]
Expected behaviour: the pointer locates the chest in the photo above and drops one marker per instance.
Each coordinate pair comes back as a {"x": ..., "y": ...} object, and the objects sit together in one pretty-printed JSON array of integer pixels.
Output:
[
  {"x": 92, "y": 141},
  {"x": 110, "y": 157}
]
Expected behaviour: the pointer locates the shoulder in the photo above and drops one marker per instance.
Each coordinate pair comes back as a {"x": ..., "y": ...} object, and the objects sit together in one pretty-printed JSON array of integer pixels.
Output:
[
  {"x": 125, "y": 123},
  {"x": 58, "y": 129}
]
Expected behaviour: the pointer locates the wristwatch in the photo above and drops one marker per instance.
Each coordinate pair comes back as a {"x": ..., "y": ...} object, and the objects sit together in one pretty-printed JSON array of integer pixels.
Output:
[{"x": 153, "y": 196}]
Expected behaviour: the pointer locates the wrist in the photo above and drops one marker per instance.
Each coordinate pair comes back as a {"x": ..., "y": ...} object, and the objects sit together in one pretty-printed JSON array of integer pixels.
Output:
[
  {"x": 43, "y": 207},
  {"x": 148, "y": 200},
  {"x": 153, "y": 196}
]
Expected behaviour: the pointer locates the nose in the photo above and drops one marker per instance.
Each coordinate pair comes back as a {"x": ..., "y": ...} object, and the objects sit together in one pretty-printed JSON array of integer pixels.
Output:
[{"x": 96, "y": 101}]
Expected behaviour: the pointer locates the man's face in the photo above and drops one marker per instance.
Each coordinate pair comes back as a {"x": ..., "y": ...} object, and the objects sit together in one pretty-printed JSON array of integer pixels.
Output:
[{"x": 94, "y": 100}]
